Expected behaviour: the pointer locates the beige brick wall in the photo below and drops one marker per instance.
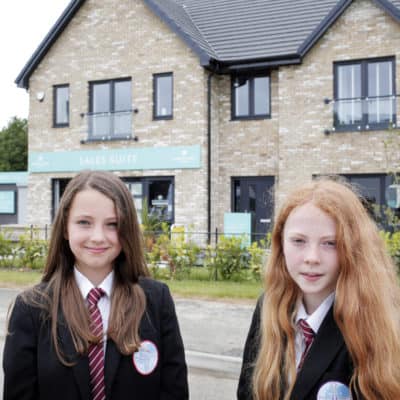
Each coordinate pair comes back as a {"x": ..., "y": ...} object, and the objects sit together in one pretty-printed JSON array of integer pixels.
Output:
[
  {"x": 363, "y": 31},
  {"x": 245, "y": 147},
  {"x": 112, "y": 39}
]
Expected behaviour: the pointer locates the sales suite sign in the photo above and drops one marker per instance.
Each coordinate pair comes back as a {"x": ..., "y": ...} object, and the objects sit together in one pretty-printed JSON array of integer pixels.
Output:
[{"x": 179, "y": 157}]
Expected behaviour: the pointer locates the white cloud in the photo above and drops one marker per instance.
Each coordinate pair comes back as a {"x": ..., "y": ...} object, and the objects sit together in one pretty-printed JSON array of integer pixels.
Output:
[{"x": 23, "y": 25}]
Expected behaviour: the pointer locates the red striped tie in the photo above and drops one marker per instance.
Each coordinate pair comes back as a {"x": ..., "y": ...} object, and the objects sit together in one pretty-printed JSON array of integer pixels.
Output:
[
  {"x": 96, "y": 351},
  {"x": 308, "y": 335}
]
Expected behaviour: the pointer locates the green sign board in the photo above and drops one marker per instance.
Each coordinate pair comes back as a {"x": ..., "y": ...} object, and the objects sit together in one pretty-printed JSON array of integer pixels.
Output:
[{"x": 146, "y": 158}]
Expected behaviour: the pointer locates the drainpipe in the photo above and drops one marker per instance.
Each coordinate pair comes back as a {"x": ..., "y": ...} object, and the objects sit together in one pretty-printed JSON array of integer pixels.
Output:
[{"x": 210, "y": 75}]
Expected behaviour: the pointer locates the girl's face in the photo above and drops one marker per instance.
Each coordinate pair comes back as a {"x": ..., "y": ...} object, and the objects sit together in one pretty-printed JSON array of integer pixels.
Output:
[
  {"x": 92, "y": 234},
  {"x": 309, "y": 247}
]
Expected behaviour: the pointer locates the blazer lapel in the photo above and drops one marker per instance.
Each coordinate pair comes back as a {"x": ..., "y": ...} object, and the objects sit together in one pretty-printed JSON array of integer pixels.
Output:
[
  {"x": 112, "y": 360},
  {"x": 326, "y": 345},
  {"x": 80, "y": 365}
]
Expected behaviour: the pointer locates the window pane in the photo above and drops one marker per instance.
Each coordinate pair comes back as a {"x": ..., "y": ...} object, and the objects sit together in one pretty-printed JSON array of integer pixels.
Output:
[
  {"x": 252, "y": 198},
  {"x": 101, "y": 97},
  {"x": 380, "y": 79},
  {"x": 122, "y": 116},
  {"x": 101, "y": 124},
  {"x": 139, "y": 207},
  {"x": 160, "y": 199},
  {"x": 237, "y": 206},
  {"x": 349, "y": 81},
  {"x": 241, "y": 88},
  {"x": 261, "y": 96},
  {"x": 348, "y": 103},
  {"x": 122, "y": 96},
  {"x": 122, "y": 121},
  {"x": 380, "y": 89},
  {"x": 62, "y": 105},
  {"x": 370, "y": 189},
  {"x": 163, "y": 96}
]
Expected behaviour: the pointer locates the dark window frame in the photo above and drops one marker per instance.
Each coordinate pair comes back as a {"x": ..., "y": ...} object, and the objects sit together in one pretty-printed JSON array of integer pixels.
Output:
[
  {"x": 146, "y": 181},
  {"x": 251, "y": 115},
  {"x": 384, "y": 180},
  {"x": 155, "y": 87},
  {"x": 365, "y": 124},
  {"x": 111, "y": 110},
  {"x": 55, "y": 123},
  {"x": 58, "y": 186},
  {"x": 112, "y": 82}
]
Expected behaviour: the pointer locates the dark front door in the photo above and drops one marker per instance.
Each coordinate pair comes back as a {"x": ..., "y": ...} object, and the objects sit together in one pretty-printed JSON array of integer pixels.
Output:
[{"x": 254, "y": 195}]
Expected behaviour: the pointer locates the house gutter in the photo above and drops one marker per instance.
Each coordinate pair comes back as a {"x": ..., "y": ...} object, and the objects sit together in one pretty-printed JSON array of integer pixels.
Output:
[{"x": 210, "y": 75}]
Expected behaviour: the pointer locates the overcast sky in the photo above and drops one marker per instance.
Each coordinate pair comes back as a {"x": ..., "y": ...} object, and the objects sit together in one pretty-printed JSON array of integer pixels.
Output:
[{"x": 23, "y": 25}]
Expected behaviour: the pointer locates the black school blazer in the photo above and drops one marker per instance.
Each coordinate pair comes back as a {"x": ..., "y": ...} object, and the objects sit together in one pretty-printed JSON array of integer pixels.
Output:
[
  {"x": 32, "y": 370},
  {"x": 327, "y": 360}
]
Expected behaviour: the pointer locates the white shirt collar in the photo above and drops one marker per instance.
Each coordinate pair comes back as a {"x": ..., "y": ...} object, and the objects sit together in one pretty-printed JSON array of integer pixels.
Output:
[
  {"x": 316, "y": 318},
  {"x": 85, "y": 286}
]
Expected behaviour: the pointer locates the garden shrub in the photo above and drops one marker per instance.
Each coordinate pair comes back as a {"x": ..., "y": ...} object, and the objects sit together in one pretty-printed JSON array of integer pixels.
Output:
[
  {"x": 392, "y": 241},
  {"x": 178, "y": 255},
  {"x": 33, "y": 250},
  {"x": 258, "y": 257},
  {"x": 228, "y": 260},
  {"x": 5, "y": 243}
]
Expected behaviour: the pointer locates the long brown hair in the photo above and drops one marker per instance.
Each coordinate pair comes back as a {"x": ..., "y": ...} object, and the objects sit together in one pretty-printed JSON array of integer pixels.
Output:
[
  {"x": 367, "y": 301},
  {"x": 59, "y": 289}
]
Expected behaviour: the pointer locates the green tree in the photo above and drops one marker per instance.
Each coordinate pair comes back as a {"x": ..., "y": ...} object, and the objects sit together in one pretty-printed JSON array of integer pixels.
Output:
[{"x": 14, "y": 145}]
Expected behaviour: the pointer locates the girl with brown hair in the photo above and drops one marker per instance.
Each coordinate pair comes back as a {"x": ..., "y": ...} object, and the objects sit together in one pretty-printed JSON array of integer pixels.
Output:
[
  {"x": 328, "y": 324},
  {"x": 96, "y": 327}
]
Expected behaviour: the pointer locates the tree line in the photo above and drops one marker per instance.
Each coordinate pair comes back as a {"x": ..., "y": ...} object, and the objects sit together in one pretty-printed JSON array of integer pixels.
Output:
[{"x": 14, "y": 146}]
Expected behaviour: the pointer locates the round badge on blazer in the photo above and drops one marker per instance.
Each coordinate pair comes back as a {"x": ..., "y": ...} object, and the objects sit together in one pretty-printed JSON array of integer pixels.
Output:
[
  {"x": 145, "y": 359},
  {"x": 334, "y": 391}
]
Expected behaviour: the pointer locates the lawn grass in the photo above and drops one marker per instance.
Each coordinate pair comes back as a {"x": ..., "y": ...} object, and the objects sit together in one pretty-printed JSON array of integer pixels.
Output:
[
  {"x": 200, "y": 287},
  {"x": 215, "y": 289},
  {"x": 19, "y": 278}
]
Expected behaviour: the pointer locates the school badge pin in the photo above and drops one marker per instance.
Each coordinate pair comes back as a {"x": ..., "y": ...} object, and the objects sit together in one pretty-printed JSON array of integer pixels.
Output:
[
  {"x": 145, "y": 359},
  {"x": 334, "y": 391}
]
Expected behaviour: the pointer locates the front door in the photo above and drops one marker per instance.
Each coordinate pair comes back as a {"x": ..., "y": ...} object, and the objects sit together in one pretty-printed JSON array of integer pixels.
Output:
[{"x": 254, "y": 195}]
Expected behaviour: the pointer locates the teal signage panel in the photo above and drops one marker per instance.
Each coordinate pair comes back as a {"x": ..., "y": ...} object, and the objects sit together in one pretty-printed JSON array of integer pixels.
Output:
[
  {"x": 148, "y": 158},
  {"x": 238, "y": 224},
  {"x": 14, "y": 178},
  {"x": 7, "y": 202}
]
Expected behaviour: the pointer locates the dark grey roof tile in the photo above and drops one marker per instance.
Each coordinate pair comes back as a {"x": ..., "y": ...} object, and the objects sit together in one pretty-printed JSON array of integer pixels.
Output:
[{"x": 233, "y": 32}]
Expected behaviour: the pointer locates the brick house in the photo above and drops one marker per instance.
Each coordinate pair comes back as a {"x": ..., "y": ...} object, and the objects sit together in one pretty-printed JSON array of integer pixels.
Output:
[{"x": 206, "y": 107}]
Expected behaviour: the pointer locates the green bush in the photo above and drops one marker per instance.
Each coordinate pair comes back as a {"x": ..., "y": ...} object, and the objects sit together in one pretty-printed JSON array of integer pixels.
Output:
[
  {"x": 177, "y": 254},
  {"x": 258, "y": 258},
  {"x": 5, "y": 243},
  {"x": 228, "y": 260},
  {"x": 9, "y": 252},
  {"x": 32, "y": 250},
  {"x": 392, "y": 241}
]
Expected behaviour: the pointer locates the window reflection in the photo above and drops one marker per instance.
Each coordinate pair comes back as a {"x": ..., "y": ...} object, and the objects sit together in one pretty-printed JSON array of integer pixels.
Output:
[
  {"x": 365, "y": 94},
  {"x": 163, "y": 95},
  {"x": 111, "y": 105}
]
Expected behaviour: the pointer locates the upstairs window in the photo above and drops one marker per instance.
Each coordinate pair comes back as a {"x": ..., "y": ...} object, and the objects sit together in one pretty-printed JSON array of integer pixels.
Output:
[
  {"x": 110, "y": 113},
  {"x": 250, "y": 97},
  {"x": 61, "y": 105},
  {"x": 365, "y": 94},
  {"x": 162, "y": 96}
]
